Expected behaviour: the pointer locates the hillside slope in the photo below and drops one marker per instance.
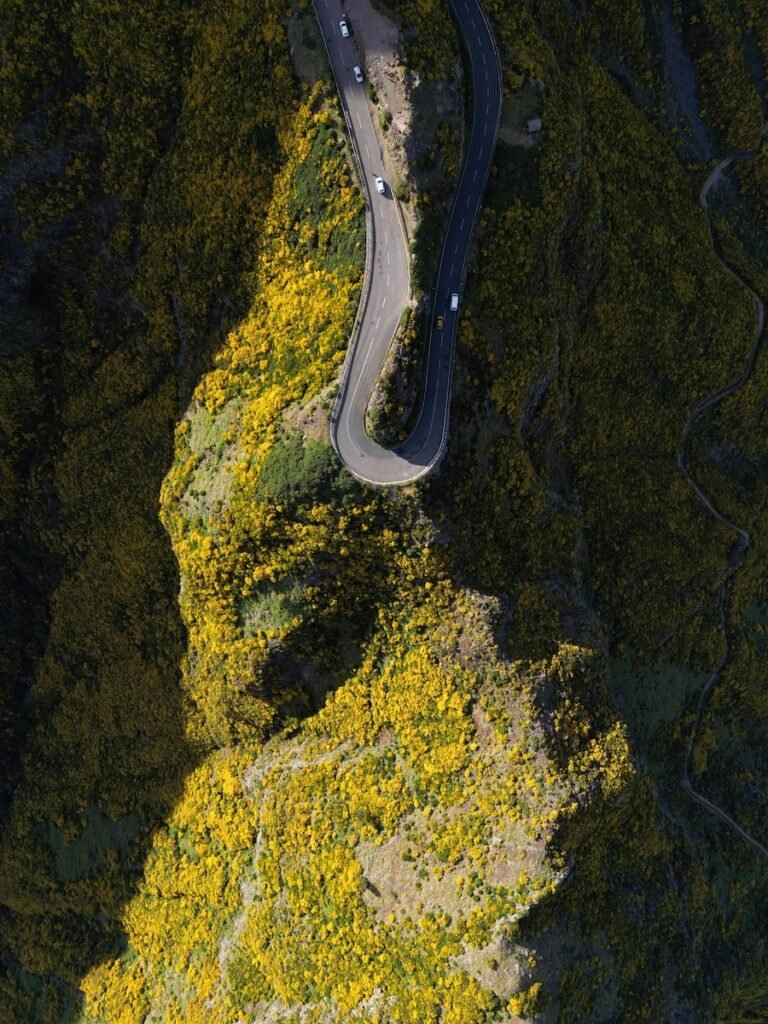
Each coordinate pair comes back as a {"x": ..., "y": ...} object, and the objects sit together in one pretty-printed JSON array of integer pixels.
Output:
[{"x": 280, "y": 747}]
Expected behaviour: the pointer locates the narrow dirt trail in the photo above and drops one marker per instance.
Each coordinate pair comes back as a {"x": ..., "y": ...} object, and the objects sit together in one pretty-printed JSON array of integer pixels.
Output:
[{"x": 743, "y": 537}]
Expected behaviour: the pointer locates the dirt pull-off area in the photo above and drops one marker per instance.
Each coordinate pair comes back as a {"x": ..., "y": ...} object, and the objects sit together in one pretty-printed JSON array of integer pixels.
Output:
[
  {"x": 377, "y": 38},
  {"x": 418, "y": 122},
  {"x": 377, "y": 34}
]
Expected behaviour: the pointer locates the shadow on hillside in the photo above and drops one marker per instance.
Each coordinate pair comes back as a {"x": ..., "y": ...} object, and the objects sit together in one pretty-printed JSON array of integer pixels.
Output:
[
  {"x": 94, "y": 751},
  {"x": 105, "y": 754},
  {"x": 324, "y": 646},
  {"x": 111, "y": 313},
  {"x": 618, "y": 934},
  {"x": 92, "y": 718}
]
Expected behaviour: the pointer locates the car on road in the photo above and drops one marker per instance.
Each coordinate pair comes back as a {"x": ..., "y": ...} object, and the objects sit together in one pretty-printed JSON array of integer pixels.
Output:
[
  {"x": 358, "y": 73},
  {"x": 439, "y": 321},
  {"x": 454, "y": 301},
  {"x": 344, "y": 28},
  {"x": 381, "y": 188}
]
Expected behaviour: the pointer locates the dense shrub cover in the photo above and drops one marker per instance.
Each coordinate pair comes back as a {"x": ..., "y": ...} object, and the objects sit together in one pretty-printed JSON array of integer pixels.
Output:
[{"x": 296, "y": 750}]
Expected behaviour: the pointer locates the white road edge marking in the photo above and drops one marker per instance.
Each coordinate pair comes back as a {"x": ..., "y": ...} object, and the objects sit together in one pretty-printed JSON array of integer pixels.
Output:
[{"x": 442, "y": 386}]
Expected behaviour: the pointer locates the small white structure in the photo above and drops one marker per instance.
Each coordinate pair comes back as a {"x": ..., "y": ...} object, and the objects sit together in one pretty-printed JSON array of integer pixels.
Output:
[{"x": 534, "y": 125}]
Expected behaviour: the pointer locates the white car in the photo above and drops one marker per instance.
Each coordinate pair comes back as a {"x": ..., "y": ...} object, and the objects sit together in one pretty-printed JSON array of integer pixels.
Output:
[
  {"x": 358, "y": 73},
  {"x": 344, "y": 28},
  {"x": 454, "y": 301},
  {"x": 381, "y": 188}
]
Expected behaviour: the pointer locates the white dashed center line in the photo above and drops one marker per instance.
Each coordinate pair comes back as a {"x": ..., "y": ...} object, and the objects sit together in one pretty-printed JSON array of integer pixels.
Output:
[{"x": 420, "y": 450}]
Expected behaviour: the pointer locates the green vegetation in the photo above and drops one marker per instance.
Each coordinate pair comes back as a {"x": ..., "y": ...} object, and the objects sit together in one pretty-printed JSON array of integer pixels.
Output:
[
  {"x": 306, "y": 750},
  {"x": 298, "y": 472},
  {"x": 396, "y": 400}
]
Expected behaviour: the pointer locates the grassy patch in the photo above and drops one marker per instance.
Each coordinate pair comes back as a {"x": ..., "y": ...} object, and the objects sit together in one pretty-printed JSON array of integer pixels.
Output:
[
  {"x": 519, "y": 107},
  {"x": 207, "y": 430},
  {"x": 211, "y": 441},
  {"x": 274, "y": 608}
]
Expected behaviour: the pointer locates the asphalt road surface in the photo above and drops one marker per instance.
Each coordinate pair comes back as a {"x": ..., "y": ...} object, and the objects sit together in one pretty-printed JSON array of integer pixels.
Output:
[{"x": 387, "y": 279}]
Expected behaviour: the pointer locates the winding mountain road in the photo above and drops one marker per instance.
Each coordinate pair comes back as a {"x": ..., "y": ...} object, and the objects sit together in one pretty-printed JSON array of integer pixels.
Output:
[
  {"x": 386, "y": 288},
  {"x": 744, "y": 539}
]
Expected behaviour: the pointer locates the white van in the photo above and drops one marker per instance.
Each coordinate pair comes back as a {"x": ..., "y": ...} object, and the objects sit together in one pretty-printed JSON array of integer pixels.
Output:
[{"x": 454, "y": 301}]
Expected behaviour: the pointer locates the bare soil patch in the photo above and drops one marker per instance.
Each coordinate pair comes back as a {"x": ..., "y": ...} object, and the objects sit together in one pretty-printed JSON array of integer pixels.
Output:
[{"x": 312, "y": 420}]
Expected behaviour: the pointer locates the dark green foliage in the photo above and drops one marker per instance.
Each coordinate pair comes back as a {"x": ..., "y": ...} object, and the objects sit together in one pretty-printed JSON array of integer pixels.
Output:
[
  {"x": 301, "y": 471},
  {"x": 307, "y": 205},
  {"x": 514, "y": 175}
]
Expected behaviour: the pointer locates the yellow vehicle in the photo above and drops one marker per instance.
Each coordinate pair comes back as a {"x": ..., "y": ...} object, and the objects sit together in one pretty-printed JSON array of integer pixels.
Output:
[{"x": 439, "y": 322}]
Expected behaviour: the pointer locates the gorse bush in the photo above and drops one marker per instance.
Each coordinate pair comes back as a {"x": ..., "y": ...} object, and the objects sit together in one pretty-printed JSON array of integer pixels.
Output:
[{"x": 339, "y": 754}]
